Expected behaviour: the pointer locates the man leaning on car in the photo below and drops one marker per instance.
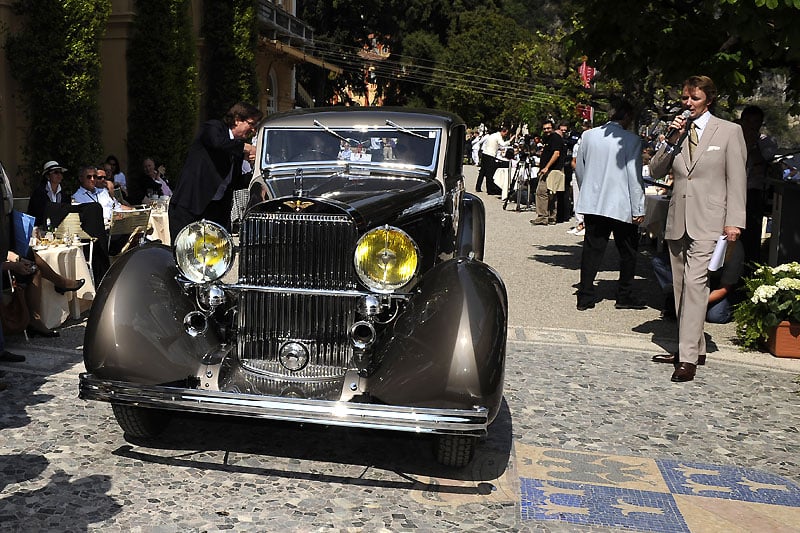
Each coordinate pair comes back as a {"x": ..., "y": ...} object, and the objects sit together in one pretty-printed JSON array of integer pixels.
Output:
[{"x": 213, "y": 169}]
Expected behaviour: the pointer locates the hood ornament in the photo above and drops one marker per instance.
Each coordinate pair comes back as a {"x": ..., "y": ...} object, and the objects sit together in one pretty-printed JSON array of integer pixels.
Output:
[{"x": 298, "y": 182}]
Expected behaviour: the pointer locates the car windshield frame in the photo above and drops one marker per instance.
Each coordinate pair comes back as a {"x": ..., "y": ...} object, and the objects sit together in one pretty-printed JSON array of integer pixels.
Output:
[{"x": 411, "y": 148}]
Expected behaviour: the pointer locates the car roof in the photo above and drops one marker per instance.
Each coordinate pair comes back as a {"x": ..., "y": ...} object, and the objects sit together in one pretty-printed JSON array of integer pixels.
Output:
[{"x": 337, "y": 117}]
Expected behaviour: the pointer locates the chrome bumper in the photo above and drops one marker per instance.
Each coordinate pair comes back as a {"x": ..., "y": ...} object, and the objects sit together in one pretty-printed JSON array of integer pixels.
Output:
[{"x": 472, "y": 422}]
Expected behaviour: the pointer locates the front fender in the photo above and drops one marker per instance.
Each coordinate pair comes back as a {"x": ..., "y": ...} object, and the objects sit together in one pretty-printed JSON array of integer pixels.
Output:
[
  {"x": 135, "y": 328},
  {"x": 447, "y": 348}
]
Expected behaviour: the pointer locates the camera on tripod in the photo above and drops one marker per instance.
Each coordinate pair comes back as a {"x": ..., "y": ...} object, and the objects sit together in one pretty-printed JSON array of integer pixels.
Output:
[
  {"x": 519, "y": 186},
  {"x": 526, "y": 147}
]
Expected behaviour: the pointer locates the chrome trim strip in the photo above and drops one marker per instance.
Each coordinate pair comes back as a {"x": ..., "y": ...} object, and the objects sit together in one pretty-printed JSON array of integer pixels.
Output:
[
  {"x": 312, "y": 292},
  {"x": 472, "y": 422}
]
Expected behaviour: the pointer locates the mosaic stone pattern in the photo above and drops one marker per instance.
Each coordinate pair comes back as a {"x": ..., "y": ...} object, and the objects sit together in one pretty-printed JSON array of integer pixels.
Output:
[{"x": 643, "y": 494}]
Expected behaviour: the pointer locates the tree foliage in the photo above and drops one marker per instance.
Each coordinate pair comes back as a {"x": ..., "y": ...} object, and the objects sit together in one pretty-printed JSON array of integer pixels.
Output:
[
  {"x": 230, "y": 32},
  {"x": 479, "y": 50},
  {"x": 56, "y": 60},
  {"x": 162, "y": 85},
  {"x": 733, "y": 41},
  {"x": 481, "y": 59}
]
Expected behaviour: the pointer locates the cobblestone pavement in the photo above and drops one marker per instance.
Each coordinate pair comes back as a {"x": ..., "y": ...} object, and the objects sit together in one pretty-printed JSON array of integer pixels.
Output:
[{"x": 592, "y": 436}]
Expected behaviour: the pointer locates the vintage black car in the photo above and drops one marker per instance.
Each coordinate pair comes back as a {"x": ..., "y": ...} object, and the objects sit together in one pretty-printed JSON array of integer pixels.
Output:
[{"x": 355, "y": 296}]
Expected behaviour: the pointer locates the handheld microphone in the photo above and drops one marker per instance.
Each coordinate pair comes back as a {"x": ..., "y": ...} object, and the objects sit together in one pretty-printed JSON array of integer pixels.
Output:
[{"x": 672, "y": 131}]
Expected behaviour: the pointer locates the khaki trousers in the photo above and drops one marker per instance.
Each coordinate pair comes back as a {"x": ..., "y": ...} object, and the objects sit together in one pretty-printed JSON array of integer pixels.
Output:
[{"x": 689, "y": 259}]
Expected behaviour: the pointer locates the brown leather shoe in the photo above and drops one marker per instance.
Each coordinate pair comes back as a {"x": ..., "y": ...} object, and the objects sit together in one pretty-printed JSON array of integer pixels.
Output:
[
  {"x": 672, "y": 359},
  {"x": 684, "y": 372}
]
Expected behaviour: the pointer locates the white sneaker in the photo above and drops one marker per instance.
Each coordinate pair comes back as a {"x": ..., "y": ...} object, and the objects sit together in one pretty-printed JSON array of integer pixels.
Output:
[
  {"x": 580, "y": 233},
  {"x": 573, "y": 230}
]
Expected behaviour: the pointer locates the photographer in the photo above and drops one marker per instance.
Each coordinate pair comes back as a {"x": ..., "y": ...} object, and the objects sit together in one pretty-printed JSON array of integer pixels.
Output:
[
  {"x": 551, "y": 175},
  {"x": 493, "y": 144}
]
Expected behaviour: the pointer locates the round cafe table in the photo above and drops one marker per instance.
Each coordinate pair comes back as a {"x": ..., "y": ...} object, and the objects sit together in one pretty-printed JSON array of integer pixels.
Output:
[{"x": 50, "y": 309}]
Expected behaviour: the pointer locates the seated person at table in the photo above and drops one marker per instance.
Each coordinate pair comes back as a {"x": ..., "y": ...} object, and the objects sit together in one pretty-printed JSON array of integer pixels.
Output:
[
  {"x": 158, "y": 185},
  {"x": 49, "y": 201},
  {"x": 102, "y": 181},
  {"x": 29, "y": 270},
  {"x": 90, "y": 193},
  {"x": 723, "y": 283},
  {"x": 151, "y": 181}
]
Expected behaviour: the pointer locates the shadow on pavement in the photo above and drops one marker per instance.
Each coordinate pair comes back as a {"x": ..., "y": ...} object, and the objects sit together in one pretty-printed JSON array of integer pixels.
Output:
[{"x": 250, "y": 445}]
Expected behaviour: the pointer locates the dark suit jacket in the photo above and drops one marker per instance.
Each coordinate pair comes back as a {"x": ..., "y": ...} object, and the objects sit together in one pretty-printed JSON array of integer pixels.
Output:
[
  {"x": 212, "y": 156},
  {"x": 39, "y": 205}
]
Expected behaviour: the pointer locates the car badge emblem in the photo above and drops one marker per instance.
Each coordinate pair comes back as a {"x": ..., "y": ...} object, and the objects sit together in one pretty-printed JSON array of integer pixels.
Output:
[
  {"x": 293, "y": 356},
  {"x": 298, "y": 205}
]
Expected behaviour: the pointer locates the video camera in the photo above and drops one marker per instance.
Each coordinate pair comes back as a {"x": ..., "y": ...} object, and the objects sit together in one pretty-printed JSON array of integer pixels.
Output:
[{"x": 526, "y": 147}]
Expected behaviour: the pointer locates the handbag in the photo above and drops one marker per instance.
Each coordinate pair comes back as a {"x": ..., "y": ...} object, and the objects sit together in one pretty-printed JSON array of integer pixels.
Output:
[{"x": 14, "y": 315}]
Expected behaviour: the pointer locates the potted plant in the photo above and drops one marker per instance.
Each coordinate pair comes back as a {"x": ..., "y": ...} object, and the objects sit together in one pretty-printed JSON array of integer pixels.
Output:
[{"x": 770, "y": 313}]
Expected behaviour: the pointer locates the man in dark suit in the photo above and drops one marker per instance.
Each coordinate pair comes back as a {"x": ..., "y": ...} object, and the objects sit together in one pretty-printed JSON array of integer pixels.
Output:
[
  {"x": 213, "y": 169},
  {"x": 707, "y": 157}
]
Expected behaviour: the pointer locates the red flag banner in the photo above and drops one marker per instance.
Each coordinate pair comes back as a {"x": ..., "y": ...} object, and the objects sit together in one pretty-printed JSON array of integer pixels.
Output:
[{"x": 587, "y": 74}]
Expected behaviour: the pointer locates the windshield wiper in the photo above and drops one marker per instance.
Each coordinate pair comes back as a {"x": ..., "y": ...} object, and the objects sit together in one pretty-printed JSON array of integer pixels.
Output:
[
  {"x": 335, "y": 134},
  {"x": 404, "y": 130}
]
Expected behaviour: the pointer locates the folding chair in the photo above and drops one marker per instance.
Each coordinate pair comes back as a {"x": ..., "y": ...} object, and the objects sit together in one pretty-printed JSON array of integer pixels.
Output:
[
  {"x": 132, "y": 222},
  {"x": 21, "y": 204},
  {"x": 71, "y": 225}
]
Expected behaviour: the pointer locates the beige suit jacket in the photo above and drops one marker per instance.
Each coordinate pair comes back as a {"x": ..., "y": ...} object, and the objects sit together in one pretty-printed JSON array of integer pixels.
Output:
[{"x": 710, "y": 191}]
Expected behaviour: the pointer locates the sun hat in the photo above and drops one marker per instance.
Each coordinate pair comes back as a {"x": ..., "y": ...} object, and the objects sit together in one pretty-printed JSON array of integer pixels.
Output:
[{"x": 52, "y": 165}]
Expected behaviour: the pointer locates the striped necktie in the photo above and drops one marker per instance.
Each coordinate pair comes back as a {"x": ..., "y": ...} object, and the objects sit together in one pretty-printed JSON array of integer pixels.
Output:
[{"x": 692, "y": 140}]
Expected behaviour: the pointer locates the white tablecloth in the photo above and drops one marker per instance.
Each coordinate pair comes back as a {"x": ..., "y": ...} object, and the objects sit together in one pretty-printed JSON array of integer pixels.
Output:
[
  {"x": 160, "y": 224},
  {"x": 50, "y": 309},
  {"x": 502, "y": 177}
]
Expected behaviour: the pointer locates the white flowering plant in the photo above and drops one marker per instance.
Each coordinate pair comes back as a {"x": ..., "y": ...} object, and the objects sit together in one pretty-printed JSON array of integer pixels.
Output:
[{"x": 772, "y": 296}]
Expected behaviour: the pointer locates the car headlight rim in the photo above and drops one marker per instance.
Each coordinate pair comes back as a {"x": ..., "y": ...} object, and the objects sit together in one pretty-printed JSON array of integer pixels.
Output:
[
  {"x": 386, "y": 259},
  {"x": 204, "y": 251}
]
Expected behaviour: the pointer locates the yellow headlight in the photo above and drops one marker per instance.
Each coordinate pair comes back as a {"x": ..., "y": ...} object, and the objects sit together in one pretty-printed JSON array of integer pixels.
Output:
[
  {"x": 203, "y": 251},
  {"x": 386, "y": 259}
]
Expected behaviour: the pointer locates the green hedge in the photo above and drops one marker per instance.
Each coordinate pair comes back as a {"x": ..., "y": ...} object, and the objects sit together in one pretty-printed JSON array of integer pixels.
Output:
[
  {"x": 230, "y": 32},
  {"x": 163, "y": 91},
  {"x": 55, "y": 57}
]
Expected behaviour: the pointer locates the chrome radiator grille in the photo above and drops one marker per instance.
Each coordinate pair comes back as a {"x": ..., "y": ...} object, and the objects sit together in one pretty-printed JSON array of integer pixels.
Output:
[{"x": 297, "y": 251}]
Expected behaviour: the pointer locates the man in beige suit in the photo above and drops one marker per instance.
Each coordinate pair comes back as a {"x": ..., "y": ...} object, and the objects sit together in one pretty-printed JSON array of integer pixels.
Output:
[{"x": 707, "y": 156}]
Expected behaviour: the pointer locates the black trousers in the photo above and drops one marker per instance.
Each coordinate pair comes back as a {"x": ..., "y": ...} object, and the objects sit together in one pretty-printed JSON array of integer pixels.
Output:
[
  {"x": 751, "y": 236},
  {"x": 488, "y": 165},
  {"x": 595, "y": 240}
]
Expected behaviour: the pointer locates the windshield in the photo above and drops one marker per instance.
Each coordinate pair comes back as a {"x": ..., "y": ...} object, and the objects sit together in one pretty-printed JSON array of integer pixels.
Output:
[{"x": 417, "y": 147}]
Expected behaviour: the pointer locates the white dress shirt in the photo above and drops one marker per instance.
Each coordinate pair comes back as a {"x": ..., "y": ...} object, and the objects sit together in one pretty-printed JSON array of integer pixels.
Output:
[{"x": 100, "y": 196}]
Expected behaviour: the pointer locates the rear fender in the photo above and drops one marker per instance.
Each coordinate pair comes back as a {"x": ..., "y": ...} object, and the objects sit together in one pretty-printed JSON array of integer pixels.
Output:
[{"x": 135, "y": 329}]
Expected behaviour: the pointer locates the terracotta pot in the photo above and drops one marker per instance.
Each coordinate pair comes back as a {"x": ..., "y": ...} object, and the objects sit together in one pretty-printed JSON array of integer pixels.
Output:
[{"x": 784, "y": 341}]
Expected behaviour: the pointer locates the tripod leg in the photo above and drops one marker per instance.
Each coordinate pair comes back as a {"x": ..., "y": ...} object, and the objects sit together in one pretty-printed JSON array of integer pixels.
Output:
[
  {"x": 511, "y": 185},
  {"x": 508, "y": 192},
  {"x": 519, "y": 187}
]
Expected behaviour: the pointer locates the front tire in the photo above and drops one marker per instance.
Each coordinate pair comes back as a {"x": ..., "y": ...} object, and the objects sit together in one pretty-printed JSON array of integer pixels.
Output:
[
  {"x": 140, "y": 422},
  {"x": 455, "y": 451}
]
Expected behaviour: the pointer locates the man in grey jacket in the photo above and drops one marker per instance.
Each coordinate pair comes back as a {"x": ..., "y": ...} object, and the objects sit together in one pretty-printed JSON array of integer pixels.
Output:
[{"x": 609, "y": 170}]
